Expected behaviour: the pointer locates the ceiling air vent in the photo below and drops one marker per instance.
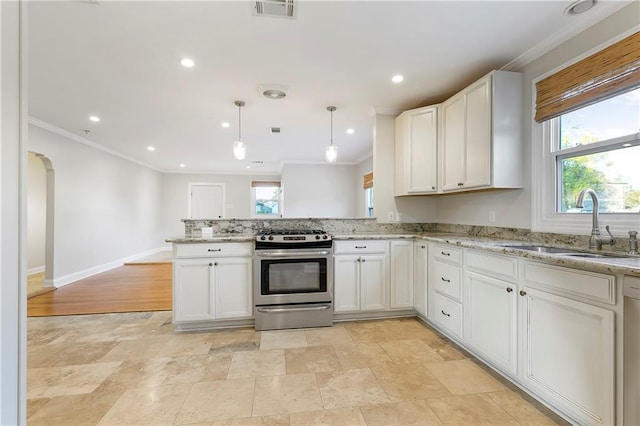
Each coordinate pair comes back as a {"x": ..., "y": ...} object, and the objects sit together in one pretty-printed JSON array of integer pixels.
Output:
[
  {"x": 276, "y": 8},
  {"x": 275, "y": 130}
]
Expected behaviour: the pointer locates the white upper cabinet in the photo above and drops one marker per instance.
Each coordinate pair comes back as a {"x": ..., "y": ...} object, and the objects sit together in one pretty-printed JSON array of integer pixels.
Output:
[
  {"x": 481, "y": 140},
  {"x": 416, "y": 148}
]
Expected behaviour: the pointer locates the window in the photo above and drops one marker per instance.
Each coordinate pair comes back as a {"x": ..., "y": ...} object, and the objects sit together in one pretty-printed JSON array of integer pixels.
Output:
[
  {"x": 367, "y": 184},
  {"x": 266, "y": 199},
  {"x": 598, "y": 147}
]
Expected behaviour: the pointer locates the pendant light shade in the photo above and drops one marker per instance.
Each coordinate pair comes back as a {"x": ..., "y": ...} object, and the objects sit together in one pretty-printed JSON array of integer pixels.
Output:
[
  {"x": 239, "y": 147},
  {"x": 331, "y": 152}
]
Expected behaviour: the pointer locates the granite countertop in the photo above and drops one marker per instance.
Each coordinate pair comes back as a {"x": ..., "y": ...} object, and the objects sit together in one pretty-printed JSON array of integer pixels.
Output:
[{"x": 625, "y": 264}]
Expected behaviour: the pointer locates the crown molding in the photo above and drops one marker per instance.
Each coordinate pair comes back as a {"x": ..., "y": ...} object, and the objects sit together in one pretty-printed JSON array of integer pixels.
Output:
[
  {"x": 84, "y": 141},
  {"x": 602, "y": 10},
  {"x": 379, "y": 110}
]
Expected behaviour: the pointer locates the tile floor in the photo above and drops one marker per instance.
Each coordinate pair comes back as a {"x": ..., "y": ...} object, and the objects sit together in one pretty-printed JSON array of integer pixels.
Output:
[{"x": 132, "y": 369}]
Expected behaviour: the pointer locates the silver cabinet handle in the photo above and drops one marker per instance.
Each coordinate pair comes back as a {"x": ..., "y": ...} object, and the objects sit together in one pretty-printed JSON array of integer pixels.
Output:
[
  {"x": 361, "y": 247},
  {"x": 423, "y": 246},
  {"x": 445, "y": 280},
  {"x": 364, "y": 260},
  {"x": 210, "y": 264},
  {"x": 509, "y": 289},
  {"x": 445, "y": 314},
  {"x": 444, "y": 253},
  {"x": 278, "y": 310},
  {"x": 460, "y": 184},
  {"x": 214, "y": 249},
  {"x": 523, "y": 293}
]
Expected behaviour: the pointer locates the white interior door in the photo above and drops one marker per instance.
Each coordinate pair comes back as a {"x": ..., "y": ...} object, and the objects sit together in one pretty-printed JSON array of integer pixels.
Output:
[{"x": 206, "y": 201}]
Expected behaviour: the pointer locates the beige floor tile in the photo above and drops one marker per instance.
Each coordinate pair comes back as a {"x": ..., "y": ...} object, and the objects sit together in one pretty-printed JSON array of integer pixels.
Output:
[
  {"x": 145, "y": 406},
  {"x": 523, "y": 411},
  {"x": 235, "y": 340},
  {"x": 348, "y": 416},
  {"x": 402, "y": 413},
  {"x": 86, "y": 409},
  {"x": 312, "y": 359},
  {"x": 189, "y": 344},
  {"x": 257, "y": 363},
  {"x": 254, "y": 421},
  {"x": 39, "y": 336},
  {"x": 402, "y": 382},
  {"x": 470, "y": 410},
  {"x": 361, "y": 355},
  {"x": 448, "y": 351},
  {"x": 409, "y": 329},
  {"x": 328, "y": 336},
  {"x": 410, "y": 352},
  {"x": 217, "y": 400},
  {"x": 283, "y": 339},
  {"x": 463, "y": 377},
  {"x": 350, "y": 388},
  {"x": 370, "y": 331},
  {"x": 137, "y": 374},
  {"x": 33, "y": 405},
  {"x": 199, "y": 368},
  {"x": 67, "y": 354},
  {"x": 135, "y": 349},
  {"x": 67, "y": 380},
  {"x": 279, "y": 395}
]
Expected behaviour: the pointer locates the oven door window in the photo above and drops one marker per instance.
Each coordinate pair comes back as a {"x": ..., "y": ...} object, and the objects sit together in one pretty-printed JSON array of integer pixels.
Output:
[{"x": 288, "y": 276}]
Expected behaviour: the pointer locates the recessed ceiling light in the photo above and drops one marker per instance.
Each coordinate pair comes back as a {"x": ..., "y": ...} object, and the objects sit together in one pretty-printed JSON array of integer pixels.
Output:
[
  {"x": 248, "y": 167},
  {"x": 579, "y": 6},
  {"x": 226, "y": 125},
  {"x": 183, "y": 166},
  {"x": 94, "y": 118},
  {"x": 397, "y": 78},
  {"x": 350, "y": 131},
  {"x": 151, "y": 148},
  {"x": 187, "y": 62}
]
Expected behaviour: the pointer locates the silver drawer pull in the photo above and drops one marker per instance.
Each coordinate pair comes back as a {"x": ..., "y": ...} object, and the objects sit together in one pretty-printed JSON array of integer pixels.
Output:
[
  {"x": 445, "y": 280},
  {"x": 445, "y": 314},
  {"x": 280, "y": 310},
  {"x": 214, "y": 249},
  {"x": 509, "y": 289},
  {"x": 361, "y": 247},
  {"x": 444, "y": 253}
]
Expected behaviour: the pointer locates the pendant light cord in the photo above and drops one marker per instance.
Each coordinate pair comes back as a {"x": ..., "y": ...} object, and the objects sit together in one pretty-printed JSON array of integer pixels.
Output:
[{"x": 239, "y": 123}]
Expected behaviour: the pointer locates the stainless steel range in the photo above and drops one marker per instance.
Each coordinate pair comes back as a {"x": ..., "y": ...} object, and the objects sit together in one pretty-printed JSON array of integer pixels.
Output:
[{"x": 293, "y": 279}]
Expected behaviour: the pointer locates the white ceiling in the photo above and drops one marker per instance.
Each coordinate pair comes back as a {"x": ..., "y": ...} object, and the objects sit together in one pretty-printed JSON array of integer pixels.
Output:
[{"x": 120, "y": 61}]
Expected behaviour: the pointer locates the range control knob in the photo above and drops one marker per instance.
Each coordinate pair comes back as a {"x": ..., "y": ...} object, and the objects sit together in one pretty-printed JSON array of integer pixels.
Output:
[
  {"x": 270, "y": 237},
  {"x": 324, "y": 237},
  {"x": 263, "y": 238},
  {"x": 317, "y": 237}
]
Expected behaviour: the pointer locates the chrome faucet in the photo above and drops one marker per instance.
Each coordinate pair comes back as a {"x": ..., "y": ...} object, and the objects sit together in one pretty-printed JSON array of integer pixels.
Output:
[{"x": 596, "y": 241}]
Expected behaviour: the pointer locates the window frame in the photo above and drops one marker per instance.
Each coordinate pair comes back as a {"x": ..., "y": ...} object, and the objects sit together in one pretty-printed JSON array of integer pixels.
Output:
[
  {"x": 545, "y": 186},
  {"x": 255, "y": 215}
]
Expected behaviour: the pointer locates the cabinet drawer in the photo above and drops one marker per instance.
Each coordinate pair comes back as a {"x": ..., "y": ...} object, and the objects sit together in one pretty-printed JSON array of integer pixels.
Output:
[
  {"x": 448, "y": 314},
  {"x": 212, "y": 250},
  {"x": 448, "y": 254},
  {"x": 571, "y": 282},
  {"x": 447, "y": 279},
  {"x": 360, "y": 246},
  {"x": 493, "y": 265}
]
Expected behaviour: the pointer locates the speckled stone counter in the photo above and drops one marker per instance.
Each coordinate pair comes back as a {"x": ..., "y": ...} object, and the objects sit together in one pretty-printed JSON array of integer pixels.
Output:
[{"x": 216, "y": 238}]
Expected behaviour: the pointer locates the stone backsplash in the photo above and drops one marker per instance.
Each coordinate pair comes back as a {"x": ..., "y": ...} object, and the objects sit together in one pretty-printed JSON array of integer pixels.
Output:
[{"x": 371, "y": 226}]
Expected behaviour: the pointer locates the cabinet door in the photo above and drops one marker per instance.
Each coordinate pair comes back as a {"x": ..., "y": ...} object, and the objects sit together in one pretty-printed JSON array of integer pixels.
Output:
[
  {"x": 193, "y": 290},
  {"x": 453, "y": 143},
  {"x": 568, "y": 355},
  {"x": 233, "y": 287},
  {"x": 478, "y": 134},
  {"x": 423, "y": 146},
  {"x": 346, "y": 283},
  {"x": 420, "y": 277},
  {"x": 401, "y": 286},
  {"x": 374, "y": 282},
  {"x": 490, "y": 316}
]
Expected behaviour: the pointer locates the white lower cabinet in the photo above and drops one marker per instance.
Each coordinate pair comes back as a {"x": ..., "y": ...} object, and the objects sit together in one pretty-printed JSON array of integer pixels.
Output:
[
  {"x": 212, "y": 288},
  {"x": 490, "y": 314},
  {"x": 568, "y": 354},
  {"x": 401, "y": 286},
  {"x": 420, "y": 276},
  {"x": 447, "y": 314}
]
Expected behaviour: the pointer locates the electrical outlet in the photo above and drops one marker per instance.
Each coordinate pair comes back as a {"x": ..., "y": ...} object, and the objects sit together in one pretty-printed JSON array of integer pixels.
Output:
[
  {"x": 492, "y": 216},
  {"x": 398, "y": 217},
  {"x": 390, "y": 217}
]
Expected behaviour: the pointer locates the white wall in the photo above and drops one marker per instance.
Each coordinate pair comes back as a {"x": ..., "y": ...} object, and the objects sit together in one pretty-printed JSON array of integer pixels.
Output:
[
  {"x": 319, "y": 190},
  {"x": 175, "y": 196},
  {"x": 36, "y": 213},
  {"x": 106, "y": 208},
  {"x": 413, "y": 209},
  {"x": 362, "y": 168}
]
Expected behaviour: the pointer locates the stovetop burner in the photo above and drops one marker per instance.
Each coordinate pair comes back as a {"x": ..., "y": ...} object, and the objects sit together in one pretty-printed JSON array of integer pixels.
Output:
[
  {"x": 291, "y": 232},
  {"x": 285, "y": 237}
]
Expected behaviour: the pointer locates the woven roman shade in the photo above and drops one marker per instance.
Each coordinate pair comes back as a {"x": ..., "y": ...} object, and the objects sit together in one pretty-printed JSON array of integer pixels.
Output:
[
  {"x": 257, "y": 183},
  {"x": 599, "y": 76},
  {"x": 368, "y": 181}
]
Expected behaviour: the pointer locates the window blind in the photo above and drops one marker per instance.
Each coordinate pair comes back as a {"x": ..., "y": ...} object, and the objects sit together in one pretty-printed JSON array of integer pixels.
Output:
[
  {"x": 259, "y": 183},
  {"x": 368, "y": 181},
  {"x": 608, "y": 72}
]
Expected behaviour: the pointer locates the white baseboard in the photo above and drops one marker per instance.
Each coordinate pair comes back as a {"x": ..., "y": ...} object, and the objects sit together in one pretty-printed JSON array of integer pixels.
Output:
[
  {"x": 35, "y": 270},
  {"x": 70, "y": 278}
]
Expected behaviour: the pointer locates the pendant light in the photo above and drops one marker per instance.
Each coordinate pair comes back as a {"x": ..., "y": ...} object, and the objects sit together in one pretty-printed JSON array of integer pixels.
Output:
[
  {"x": 331, "y": 152},
  {"x": 239, "y": 148}
]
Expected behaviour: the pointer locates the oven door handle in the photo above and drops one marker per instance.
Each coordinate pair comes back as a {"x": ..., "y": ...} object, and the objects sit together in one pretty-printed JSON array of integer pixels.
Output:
[
  {"x": 292, "y": 253},
  {"x": 291, "y": 309}
]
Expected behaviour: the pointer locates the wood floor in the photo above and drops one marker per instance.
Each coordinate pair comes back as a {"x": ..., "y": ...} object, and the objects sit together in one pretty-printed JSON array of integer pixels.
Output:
[{"x": 129, "y": 288}]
